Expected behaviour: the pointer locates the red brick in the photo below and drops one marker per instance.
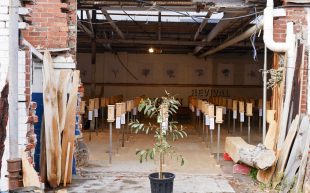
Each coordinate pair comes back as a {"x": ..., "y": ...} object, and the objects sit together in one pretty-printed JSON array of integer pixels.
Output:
[{"x": 241, "y": 169}]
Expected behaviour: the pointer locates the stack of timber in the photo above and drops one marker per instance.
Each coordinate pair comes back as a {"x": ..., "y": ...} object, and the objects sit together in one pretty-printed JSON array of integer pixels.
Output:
[
  {"x": 60, "y": 92},
  {"x": 290, "y": 144},
  {"x": 285, "y": 169}
]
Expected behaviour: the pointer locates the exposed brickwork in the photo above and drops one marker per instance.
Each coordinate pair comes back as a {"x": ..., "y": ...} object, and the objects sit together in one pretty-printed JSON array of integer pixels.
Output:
[
  {"x": 28, "y": 76},
  {"x": 53, "y": 25},
  {"x": 298, "y": 16}
]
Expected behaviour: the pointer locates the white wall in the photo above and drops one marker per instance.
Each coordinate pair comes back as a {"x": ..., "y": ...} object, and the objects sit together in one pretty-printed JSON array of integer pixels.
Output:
[{"x": 188, "y": 74}]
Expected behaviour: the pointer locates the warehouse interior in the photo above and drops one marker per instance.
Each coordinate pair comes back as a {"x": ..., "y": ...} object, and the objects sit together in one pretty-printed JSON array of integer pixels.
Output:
[
  {"x": 112, "y": 92},
  {"x": 142, "y": 49}
]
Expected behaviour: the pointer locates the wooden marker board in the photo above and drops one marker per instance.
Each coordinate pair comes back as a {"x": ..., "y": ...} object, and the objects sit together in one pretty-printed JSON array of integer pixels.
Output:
[
  {"x": 249, "y": 109},
  {"x": 207, "y": 108},
  {"x": 82, "y": 107},
  {"x": 123, "y": 107},
  {"x": 235, "y": 105},
  {"x": 219, "y": 114},
  {"x": 91, "y": 104},
  {"x": 241, "y": 106},
  {"x": 211, "y": 110},
  {"x": 128, "y": 109},
  {"x": 111, "y": 113},
  {"x": 118, "y": 109},
  {"x": 253, "y": 102}
]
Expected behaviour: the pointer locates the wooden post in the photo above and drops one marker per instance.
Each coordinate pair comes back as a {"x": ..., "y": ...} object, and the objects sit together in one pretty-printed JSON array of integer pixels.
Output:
[
  {"x": 212, "y": 125},
  {"x": 111, "y": 119},
  {"x": 219, "y": 121},
  {"x": 241, "y": 111},
  {"x": 91, "y": 107},
  {"x": 66, "y": 167},
  {"x": 249, "y": 113},
  {"x": 93, "y": 57}
]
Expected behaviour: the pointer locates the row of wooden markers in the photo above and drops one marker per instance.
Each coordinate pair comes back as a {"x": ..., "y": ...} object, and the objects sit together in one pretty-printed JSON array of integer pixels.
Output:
[
  {"x": 115, "y": 110},
  {"x": 204, "y": 110}
]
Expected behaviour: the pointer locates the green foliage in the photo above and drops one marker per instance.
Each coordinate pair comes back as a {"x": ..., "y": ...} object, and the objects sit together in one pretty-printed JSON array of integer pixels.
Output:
[
  {"x": 253, "y": 173},
  {"x": 151, "y": 108}
]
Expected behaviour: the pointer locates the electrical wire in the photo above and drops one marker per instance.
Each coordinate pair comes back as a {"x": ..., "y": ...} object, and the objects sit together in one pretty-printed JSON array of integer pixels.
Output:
[{"x": 253, "y": 38}]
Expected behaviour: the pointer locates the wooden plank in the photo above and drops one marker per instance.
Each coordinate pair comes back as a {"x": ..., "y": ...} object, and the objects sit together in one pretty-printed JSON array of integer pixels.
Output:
[
  {"x": 285, "y": 152},
  {"x": 43, "y": 172},
  {"x": 306, "y": 187},
  {"x": 66, "y": 166},
  {"x": 62, "y": 90},
  {"x": 265, "y": 176},
  {"x": 271, "y": 134},
  {"x": 303, "y": 164},
  {"x": 52, "y": 132},
  {"x": 68, "y": 133},
  {"x": 30, "y": 176},
  {"x": 296, "y": 154}
]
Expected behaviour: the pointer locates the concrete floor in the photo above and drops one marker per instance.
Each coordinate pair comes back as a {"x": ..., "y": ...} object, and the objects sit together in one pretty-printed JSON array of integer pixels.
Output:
[{"x": 199, "y": 174}]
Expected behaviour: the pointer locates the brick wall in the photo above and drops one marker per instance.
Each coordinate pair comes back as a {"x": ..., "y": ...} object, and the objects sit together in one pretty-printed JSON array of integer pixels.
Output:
[
  {"x": 53, "y": 25},
  {"x": 297, "y": 15}
]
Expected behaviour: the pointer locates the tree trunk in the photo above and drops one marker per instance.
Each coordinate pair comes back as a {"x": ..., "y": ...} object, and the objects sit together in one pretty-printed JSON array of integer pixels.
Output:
[{"x": 256, "y": 156}]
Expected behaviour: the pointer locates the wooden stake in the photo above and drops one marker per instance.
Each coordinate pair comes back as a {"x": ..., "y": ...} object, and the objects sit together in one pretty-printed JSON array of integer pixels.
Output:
[{"x": 66, "y": 166}]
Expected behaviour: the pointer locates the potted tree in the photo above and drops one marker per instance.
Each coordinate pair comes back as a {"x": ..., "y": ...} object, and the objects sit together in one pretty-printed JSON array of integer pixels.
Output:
[{"x": 165, "y": 132}]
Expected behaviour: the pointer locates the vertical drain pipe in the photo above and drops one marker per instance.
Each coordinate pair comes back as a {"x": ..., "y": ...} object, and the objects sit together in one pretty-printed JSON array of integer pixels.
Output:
[
  {"x": 264, "y": 93},
  {"x": 289, "y": 48}
]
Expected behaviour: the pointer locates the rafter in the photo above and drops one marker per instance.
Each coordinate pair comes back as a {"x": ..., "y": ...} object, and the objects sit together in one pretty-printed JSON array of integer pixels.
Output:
[
  {"x": 89, "y": 20},
  {"x": 112, "y": 23},
  {"x": 220, "y": 26},
  {"x": 145, "y": 42},
  {"x": 85, "y": 29},
  {"x": 202, "y": 25}
]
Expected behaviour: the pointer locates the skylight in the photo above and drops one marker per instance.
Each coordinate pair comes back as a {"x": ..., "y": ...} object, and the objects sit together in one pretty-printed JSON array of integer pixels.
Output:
[{"x": 152, "y": 16}]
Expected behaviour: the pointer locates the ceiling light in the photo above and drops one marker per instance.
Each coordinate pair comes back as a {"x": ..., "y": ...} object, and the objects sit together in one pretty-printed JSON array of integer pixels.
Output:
[{"x": 151, "y": 50}]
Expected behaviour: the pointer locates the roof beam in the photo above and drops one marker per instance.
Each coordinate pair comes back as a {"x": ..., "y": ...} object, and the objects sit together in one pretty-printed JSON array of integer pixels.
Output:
[
  {"x": 235, "y": 40},
  {"x": 221, "y": 26},
  {"x": 216, "y": 3},
  {"x": 202, "y": 25},
  {"x": 145, "y": 42},
  {"x": 85, "y": 29},
  {"x": 89, "y": 20},
  {"x": 112, "y": 23}
]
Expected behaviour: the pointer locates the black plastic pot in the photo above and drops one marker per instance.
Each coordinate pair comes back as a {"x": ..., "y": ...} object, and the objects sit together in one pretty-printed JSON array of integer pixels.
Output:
[{"x": 164, "y": 185}]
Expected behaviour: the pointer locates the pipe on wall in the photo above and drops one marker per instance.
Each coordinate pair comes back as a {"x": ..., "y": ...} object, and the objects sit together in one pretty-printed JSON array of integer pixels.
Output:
[{"x": 290, "y": 48}]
